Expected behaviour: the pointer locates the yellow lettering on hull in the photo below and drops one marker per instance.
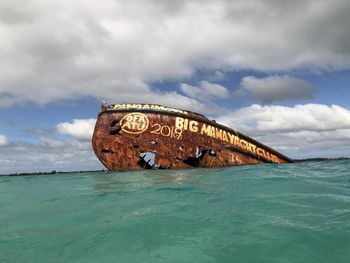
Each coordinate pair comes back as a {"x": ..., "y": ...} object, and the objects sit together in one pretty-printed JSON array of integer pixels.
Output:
[
  {"x": 147, "y": 106},
  {"x": 222, "y": 135}
]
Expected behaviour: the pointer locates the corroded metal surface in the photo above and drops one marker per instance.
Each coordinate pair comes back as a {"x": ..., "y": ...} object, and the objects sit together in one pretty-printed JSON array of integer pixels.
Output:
[{"x": 139, "y": 137}]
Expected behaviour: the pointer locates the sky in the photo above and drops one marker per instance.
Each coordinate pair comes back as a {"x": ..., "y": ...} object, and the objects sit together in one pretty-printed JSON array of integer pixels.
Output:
[{"x": 278, "y": 71}]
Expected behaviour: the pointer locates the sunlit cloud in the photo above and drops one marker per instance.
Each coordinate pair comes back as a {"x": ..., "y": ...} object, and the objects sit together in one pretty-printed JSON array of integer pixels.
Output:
[
  {"x": 80, "y": 129},
  {"x": 3, "y": 140},
  {"x": 300, "y": 131}
]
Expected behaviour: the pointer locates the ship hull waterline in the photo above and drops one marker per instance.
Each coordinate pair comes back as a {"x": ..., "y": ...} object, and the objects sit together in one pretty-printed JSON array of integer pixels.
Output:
[{"x": 135, "y": 139}]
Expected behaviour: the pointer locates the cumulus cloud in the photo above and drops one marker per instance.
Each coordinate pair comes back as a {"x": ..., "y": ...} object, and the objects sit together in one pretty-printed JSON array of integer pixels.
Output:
[
  {"x": 308, "y": 130},
  {"x": 47, "y": 151},
  {"x": 311, "y": 117},
  {"x": 57, "y": 50},
  {"x": 3, "y": 140},
  {"x": 205, "y": 90},
  {"x": 47, "y": 155},
  {"x": 80, "y": 129},
  {"x": 277, "y": 88}
]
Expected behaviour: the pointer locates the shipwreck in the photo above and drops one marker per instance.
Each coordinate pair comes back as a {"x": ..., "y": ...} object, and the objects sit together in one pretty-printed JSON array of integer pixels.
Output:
[{"x": 150, "y": 136}]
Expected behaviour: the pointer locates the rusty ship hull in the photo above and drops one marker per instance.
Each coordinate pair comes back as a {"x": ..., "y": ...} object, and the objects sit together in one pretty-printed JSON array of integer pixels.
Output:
[{"x": 148, "y": 136}]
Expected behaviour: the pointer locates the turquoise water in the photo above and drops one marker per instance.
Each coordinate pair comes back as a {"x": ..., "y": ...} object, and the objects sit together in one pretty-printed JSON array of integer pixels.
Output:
[{"x": 265, "y": 213}]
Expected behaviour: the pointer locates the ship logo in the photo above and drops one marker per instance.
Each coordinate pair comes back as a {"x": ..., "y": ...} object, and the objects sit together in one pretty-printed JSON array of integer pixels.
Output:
[{"x": 134, "y": 123}]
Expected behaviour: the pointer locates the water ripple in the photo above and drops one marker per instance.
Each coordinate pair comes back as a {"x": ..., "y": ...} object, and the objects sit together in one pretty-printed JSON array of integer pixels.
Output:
[{"x": 264, "y": 213}]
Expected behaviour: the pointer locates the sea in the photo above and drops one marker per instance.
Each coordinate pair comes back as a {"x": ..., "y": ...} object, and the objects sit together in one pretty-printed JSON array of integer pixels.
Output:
[{"x": 296, "y": 212}]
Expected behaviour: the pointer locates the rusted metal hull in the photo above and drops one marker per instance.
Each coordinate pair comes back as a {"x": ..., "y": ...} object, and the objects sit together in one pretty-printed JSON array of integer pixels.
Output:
[{"x": 136, "y": 137}]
